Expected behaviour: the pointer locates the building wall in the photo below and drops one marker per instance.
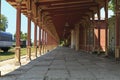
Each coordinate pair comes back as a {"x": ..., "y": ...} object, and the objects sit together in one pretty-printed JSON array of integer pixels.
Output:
[
  {"x": 51, "y": 43},
  {"x": 88, "y": 41},
  {"x": 111, "y": 36},
  {"x": 102, "y": 34}
]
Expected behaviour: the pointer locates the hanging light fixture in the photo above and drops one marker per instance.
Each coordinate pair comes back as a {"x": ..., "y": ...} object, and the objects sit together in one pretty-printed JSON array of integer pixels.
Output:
[{"x": 66, "y": 24}]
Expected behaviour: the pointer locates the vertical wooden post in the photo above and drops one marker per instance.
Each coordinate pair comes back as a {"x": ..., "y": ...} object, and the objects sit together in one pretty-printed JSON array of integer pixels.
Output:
[
  {"x": 35, "y": 36},
  {"x": 39, "y": 40},
  {"x": 46, "y": 41},
  {"x": 93, "y": 18},
  {"x": 117, "y": 52},
  {"x": 77, "y": 37},
  {"x": 72, "y": 39},
  {"x": 29, "y": 36},
  {"x": 89, "y": 37},
  {"x": 106, "y": 29},
  {"x": 85, "y": 40},
  {"x": 43, "y": 41},
  {"x": 18, "y": 29},
  {"x": 98, "y": 30}
]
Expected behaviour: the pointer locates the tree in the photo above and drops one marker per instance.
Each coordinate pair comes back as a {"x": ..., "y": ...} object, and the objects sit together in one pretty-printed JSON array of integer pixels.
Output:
[
  {"x": 3, "y": 23},
  {"x": 112, "y": 5},
  {"x": 23, "y": 36}
]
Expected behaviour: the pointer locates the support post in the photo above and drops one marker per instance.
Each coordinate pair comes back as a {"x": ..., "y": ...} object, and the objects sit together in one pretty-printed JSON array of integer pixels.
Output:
[
  {"x": 46, "y": 41},
  {"x": 35, "y": 36},
  {"x": 85, "y": 39},
  {"x": 106, "y": 29},
  {"x": 93, "y": 18},
  {"x": 43, "y": 41},
  {"x": 18, "y": 29},
  {"x": 98, "y": 30},
  {"x": 77, "y": 37},
  {"x": 117, "y": 48},
  {"x": 39, "y": 40},
  {"x": 72, "y": 39},
  {"x": 29, "y": 36}
]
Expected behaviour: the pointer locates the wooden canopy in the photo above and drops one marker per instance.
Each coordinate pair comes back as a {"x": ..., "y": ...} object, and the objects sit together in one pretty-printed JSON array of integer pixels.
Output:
[{"x": 59, "y": 16}]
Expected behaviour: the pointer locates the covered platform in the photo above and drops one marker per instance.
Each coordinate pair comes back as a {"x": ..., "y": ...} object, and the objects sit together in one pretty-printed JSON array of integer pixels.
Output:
[
  {"x": 71, "y": 22},
  {"x": 67, "y": 64},
  {"x": 74, "y": 23}
]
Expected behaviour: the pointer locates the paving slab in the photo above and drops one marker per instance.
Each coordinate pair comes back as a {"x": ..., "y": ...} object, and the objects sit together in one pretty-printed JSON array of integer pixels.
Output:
[{"x": 63, "y": 64}]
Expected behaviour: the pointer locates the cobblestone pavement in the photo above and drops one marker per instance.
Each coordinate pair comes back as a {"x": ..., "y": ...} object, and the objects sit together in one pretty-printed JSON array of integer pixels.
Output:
[{"x": 67, "y": 64}]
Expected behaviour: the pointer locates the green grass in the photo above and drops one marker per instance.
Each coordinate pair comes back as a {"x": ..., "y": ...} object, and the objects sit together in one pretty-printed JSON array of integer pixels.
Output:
[{"x": 11, "y": 53}]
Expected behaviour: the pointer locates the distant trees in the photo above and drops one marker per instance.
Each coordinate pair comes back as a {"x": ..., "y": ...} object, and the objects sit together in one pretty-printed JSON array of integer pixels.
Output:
[
  {"x": 3, "y": 22},
  {"x": 22, "y": 35}
]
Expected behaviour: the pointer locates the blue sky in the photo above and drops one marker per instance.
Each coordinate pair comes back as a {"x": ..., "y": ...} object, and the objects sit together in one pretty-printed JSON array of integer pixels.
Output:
[{"x": 10, "y": 13}]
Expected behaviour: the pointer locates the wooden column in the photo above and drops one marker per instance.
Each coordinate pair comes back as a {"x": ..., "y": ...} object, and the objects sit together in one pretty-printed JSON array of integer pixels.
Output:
[
  {"x": 18, "y": 29},
  {"x": 106, "y": 29},
  {"x": 43, "y": 41},
  {"x": 29, "y": 36},
  {"x": 87, "y": 35},
  {"x": 77, "y": 37},
  {"x": 117, "y": 50},
  {"x": 40, "y": 25},
  {"x": 72, "y": 39},
  {"x": 85, "y": 40},
  {"x": 93, "y": 26},
  {"x": 39, "y": 40},
  {"x": 46, "y": 41},
  {"x": 89, "y": 39},
  {"x": 98, "y": 30},
  {"x": 35, "y": 36}
]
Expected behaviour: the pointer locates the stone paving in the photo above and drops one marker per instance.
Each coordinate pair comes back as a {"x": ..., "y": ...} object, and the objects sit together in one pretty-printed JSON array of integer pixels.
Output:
[{"x": 67, "y": 64}]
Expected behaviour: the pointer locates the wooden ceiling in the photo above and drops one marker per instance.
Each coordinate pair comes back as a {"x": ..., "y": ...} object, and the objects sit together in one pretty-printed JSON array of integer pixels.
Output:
[{"x": 58, "y": 13}]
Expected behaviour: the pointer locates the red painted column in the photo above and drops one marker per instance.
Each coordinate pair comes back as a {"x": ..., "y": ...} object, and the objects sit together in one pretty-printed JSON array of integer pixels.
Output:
[
  {"x": 35, "y": 36},
  {"x": 98, "y": 30},
  {"x": 106, "y": 29},
  {"x": 117, "y": 52},
  {"x": 46, "y": 41},
  {"x": 18, "y": 29},
  {"x": 93, "y": 26},
  {"x": 43, "y": 41},
  {"x": 85, "y": 39},
  {"x": 39, "y": 40},
  {"x": 29, "y": 36}
]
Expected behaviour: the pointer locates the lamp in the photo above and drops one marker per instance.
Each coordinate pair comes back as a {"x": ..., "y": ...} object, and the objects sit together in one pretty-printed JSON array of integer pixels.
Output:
[{"x": 66, "y": 24}]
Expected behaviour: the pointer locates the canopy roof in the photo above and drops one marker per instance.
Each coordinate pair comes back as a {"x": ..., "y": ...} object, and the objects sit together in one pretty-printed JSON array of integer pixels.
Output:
[{"x": 59, "y": 16}]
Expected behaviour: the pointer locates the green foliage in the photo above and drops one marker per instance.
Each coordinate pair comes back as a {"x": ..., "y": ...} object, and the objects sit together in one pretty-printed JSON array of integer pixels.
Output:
[
  {"x": 112, "y": 5},
  {"x": 3, "y": 23},
  {"x": 22, "y": 35}
]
